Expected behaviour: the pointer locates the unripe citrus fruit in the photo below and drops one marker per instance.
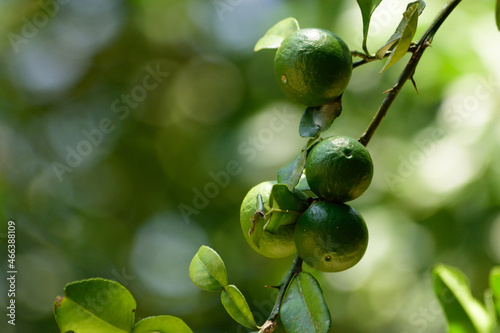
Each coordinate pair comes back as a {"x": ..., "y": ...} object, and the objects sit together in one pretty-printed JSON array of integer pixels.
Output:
[
  {"x": 313, "y": 66},
  {"x": 331, "y": 237},
  {"x": 273, "y": 245},
  {"x": 339, "y": 169}
]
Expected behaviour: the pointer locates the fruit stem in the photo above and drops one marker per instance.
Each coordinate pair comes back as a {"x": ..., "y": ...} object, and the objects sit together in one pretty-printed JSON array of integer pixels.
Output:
[
  {"x": 407, "y": 74},
  {"x": 370, "y": 58},
  {"x": 294, "y": 269}
]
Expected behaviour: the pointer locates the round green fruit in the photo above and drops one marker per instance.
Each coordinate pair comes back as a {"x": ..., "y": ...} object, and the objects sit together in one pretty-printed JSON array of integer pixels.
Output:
[
  {"x": 313, "y": 66},
  {"x": 339, "y": 169},
  {"x": 331, "y": 237},
  {"x": 272, "y": 245}
]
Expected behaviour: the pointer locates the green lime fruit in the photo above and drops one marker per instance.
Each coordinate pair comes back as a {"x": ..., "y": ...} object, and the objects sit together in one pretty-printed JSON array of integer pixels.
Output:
[
  {"x": 339, "y": 169},
  {"x": 271, "y": 232},
  {"x": 313, "y": 66},
  {"x": 331, "y": 237}
]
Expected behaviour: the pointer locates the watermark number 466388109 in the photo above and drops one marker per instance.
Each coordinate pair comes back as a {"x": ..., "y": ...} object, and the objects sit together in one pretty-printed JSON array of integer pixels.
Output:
[{"x": 11, "y": 272}]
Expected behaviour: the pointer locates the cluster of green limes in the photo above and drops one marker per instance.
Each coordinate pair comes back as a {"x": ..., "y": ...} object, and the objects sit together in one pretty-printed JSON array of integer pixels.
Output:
[
  {"x": 331, "y": 235},
  {"x": 328, "y": 234},
  {"x": 313, "y": 67}
]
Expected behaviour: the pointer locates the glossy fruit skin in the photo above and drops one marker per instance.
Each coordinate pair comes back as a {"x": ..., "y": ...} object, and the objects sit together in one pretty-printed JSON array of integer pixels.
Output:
[
  {"x": 272, "y": 246},
  {"x": 339, "y": 169},
  {"x": 331, "y": 237},
  {"x": 313, "y": 66}
]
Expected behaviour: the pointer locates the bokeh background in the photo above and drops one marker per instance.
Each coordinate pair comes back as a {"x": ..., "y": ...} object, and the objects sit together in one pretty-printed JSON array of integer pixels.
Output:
[{"x": 131, "y": 130}]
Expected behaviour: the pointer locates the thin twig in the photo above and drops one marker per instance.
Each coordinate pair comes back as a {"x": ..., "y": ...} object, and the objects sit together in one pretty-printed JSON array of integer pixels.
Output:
[
  {"x": 294, "y": 269},
  {"x": 408, "y": 71},
  {"x": 365, "y": 59}
]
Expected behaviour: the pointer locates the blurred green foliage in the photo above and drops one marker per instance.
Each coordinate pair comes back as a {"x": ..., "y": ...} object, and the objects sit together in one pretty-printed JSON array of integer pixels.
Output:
[{"x": 130, "y": 131}]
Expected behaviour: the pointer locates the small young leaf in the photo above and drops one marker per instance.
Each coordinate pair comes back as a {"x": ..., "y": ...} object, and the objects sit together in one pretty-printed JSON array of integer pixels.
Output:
[
  {"x": 161, "y": 324},
  {"x": 367, "y": 8},
  {"x": 95, "y": 305},
  {"x": 495, "y": 288},
  {"x": 291, "y": 173},
  {"x": 318, "y": 119},
  {"x": 235, "y": 304},
  {"x": 273, "y": 37},
  {"x": 207, "y": 270},
  {"x": 401, "y": 40},
  {"x": 463, "y": 311},
  {"x": 497, "y": 14},
  {"x": 286, "y": 207},
  {"x": 304, "y": 309},
  {"x": 412, "y": 8}
]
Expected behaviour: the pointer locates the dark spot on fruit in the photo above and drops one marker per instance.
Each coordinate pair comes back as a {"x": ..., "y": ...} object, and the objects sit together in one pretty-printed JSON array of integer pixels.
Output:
[{"x": 328, "y": 258}]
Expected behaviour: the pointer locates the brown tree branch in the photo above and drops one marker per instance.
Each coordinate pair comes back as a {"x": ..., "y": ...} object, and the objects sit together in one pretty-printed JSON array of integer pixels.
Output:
[{"x": 424, "y": 42}]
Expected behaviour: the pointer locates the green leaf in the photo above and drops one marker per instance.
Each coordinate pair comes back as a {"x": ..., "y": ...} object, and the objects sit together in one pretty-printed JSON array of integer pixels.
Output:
[
  {"x": 286, "y": 207},
  {"x": 291, "y": 173},
  {"x": 207, "y": 270},
  {"x": 490, "y": 306},
  {"x": 304, "y": 309},
  {"x": 401, "y": 40},
  {"x": 273, "y": 37},
  {"x": 235, "y": 304},
  {"x": 497, "y": 14},
  {"x": 162, "y": 324},
  {"x": 303, "y": 185},
  {"x": 463, "y": 311},
  {"x": 318, "y": 119},
  {"x": 95, "y": 305},
  {"x": 257, "y": 232},
  {"x": 495, "y": 287},
  {"x": 367, "y": 8}
]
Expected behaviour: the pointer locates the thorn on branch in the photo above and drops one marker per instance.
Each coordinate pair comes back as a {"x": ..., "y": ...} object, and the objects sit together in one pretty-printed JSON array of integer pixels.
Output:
[
  {"x": 414, "y": 84},
  {"x": 273, "y": 287}
]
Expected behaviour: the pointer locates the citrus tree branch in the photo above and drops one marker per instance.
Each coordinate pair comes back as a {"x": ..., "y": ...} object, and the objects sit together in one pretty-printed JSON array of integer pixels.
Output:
[
  {"x": 294, "y": 269},
  {"x": 407, "y": 74}
]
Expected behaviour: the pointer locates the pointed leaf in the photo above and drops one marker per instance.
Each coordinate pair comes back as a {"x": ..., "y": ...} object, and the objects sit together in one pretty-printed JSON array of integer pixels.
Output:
[
  {"x": 207, "y": 270},
  {"x": 497, "y": 14},
  {"x": 394, "y": 39},
  {"x": 401, "y": 40},
  {"x": 367, "y": 8},
  {"x": 286, "y": 207},
  {"x": 162, "y": 324},
  {"x": 95, "y": 305},
  {"x": 318, "y": 119},
  {"x": 291, "y": 173},
  {"x": 273, "y": 37},
  {"x": 235, "y": 304},
  {"x": 495, "y": 288},
  {"x": 463, "y": 311},
  {"x": 304, "y": 309}
]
